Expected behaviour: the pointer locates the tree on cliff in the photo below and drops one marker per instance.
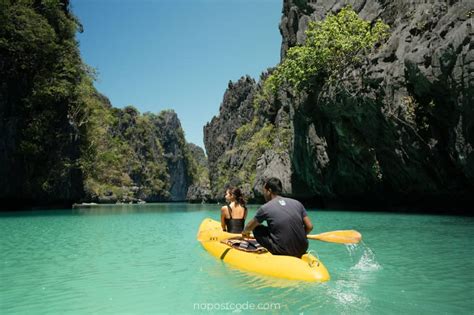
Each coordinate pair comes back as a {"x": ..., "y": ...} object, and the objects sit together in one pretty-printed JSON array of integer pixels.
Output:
[{"x": 330, "y": 47}]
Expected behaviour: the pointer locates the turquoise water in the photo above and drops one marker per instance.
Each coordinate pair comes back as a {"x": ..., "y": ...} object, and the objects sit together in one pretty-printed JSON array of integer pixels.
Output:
[{"x": 145, "y": 259}]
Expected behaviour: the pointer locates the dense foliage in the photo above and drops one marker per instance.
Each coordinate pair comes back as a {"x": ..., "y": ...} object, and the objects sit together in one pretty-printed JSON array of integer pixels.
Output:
[
  {"x": 238, "y": 166},
  {"x": 61, "y": 140},
  {"x": 40, "y": 83},
  {"x": 126, "y": 161},
  {"x": 330, "y": 46}
]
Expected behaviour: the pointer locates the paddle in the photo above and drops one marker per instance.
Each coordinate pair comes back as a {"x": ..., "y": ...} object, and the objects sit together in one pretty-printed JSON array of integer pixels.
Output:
[{"x": 342, "y": 237}]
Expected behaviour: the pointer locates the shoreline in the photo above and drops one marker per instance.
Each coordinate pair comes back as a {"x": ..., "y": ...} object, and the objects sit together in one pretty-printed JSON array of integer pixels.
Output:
[{"x": 434, "y": 205}]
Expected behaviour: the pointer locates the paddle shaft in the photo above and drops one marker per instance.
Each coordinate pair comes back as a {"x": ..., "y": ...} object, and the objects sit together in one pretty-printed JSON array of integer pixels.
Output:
[{"x": 340, "y": 237}]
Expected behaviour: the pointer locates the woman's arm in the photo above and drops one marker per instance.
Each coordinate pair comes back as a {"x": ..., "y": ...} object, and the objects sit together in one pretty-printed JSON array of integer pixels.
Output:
[{"x": 223, "y": 217}]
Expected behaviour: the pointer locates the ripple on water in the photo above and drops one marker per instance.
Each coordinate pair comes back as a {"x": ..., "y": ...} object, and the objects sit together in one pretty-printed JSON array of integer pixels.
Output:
[{"x": 348, "y": 295}]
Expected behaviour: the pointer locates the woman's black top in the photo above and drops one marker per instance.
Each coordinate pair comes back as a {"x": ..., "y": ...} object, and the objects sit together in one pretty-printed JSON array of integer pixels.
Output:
[{"x": 235, "y": 225}]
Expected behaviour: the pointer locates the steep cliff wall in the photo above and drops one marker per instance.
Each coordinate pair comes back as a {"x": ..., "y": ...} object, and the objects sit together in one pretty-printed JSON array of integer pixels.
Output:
[
  {"x": 174, "y": 148},
  {"x": 220, "y": 133},
  {"x": 199, "y": 191},
  {"x": 40, "y": 68},
  {"x": 147, "y": 159},
  {"x": 402, "y": 125},
  {"x": 395, "y": 130},
  {"x": 61, "y": 141}
]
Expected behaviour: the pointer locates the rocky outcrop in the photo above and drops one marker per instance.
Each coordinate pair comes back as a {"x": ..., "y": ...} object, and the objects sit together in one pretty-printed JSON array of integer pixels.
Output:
[
  {"x": 236, "y": 109},
  {"x": 220, "y": 133},
  {"x": 200, "y": 190},
  {"x": 198, "y": 154},
  {"x": 153, "y": 160},
  {"x": 61, "y": 141},
  {"x": 274, "y": 164},
  {"x": 199, "y": 193},
  {"x": 39, "y": 143},
  {"x": 237, "y": 139},
  {"x": 171, "y": 136},
  {"x": 395, "y": 131}
]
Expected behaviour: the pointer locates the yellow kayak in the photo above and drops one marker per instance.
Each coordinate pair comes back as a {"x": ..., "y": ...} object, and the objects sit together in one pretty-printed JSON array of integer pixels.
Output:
[{"x": 308, "y": 268}]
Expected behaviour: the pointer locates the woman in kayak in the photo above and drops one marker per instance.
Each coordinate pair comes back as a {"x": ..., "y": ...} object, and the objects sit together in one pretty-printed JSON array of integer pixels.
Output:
[{"x": 234, "y": 213}]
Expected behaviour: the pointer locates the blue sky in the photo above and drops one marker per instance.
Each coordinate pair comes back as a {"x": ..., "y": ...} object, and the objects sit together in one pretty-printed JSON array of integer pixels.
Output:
[{"x": 177, "y": 54}]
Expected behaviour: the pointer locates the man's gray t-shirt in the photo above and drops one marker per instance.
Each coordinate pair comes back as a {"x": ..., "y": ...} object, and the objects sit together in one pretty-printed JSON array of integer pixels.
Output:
[{"x": 284, "y": 217}]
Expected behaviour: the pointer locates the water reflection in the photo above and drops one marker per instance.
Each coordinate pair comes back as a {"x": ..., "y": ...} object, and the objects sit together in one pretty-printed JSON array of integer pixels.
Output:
[{"x": 140, "y": 208}]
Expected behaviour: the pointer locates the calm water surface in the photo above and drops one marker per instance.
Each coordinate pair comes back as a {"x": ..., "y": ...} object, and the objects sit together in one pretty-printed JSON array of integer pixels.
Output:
[{"x": 145, "y": 259}]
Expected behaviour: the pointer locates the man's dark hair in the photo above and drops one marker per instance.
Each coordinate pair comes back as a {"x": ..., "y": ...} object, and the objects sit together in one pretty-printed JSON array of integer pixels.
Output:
[{"x": 274, "y": 184}]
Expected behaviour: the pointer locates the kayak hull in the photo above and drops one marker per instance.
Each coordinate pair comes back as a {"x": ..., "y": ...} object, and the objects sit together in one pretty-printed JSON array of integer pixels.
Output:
[{"x": 308, "y": 268}]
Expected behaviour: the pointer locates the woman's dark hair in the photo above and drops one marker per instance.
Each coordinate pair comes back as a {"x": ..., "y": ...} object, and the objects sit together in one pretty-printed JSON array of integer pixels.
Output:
[
  {"x": 274, "y": 184},
  {"x": 237, "y": 193}
]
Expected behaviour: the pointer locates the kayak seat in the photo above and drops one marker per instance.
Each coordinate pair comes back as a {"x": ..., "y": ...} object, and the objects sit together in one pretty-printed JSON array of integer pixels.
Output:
[{"x": 251, "y": 246}]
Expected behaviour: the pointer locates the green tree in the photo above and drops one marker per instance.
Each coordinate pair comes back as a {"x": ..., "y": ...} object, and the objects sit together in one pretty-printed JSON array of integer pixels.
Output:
[
  {"x": 331, "y": 45},
  {"x": 40, "y": 68}
]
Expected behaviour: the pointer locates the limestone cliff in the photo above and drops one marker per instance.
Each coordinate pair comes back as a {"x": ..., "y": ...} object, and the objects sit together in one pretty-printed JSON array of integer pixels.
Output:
[
  {"x": 199, "y": 191},
  {"x": 154, "y": 165},
  {"x": 403, "y": 129},
  {"x": 397, "y": 131},
  {"x": 61, "y": 141},
  {"x": 172, "y": 139},
  {"x": 220, "y": 133},
  {"x": 39, "y": 67}
]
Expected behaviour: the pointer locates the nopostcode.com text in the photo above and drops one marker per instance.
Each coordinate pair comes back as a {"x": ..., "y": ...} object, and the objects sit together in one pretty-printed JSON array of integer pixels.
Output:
[{"x": 230, "y": 306}]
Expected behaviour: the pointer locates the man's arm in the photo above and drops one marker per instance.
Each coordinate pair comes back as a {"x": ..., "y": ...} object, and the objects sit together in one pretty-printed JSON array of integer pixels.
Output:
[
  {"x": 308, "y": 226},
  {"x": 249, "y": 227}
]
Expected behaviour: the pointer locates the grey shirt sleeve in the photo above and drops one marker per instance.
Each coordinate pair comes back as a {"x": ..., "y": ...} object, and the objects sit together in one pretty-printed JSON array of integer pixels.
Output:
[
  {"x": 303, "y": 211},
  {"x": 261, "y": 214}
]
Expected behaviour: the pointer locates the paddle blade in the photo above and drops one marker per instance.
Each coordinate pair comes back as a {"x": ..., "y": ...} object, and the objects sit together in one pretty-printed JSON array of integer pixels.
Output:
[{"x": 342, "y": 237}]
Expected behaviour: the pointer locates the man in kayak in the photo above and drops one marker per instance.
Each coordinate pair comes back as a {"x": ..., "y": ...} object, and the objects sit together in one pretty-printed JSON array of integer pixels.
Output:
[{"x": 287, "y": 223}]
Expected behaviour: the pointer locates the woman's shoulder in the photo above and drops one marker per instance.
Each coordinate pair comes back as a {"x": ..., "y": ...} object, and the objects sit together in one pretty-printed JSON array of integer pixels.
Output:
[{"x": 240, "y": 206}]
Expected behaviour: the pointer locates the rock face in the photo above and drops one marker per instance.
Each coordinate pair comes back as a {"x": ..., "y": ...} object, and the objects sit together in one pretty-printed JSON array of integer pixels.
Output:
[
  {"x": 39, "y": 143},
  {"x": 154, "y": 160},
  {"x": 398, "y": 128},
  {"x": 199, "y": 191},
  {"x": 61, "y": 141},
  {"x": 396, "y": 131},
  {"x": 173, "y": 142},
  {"x": 219, "y": 134},
  {"x": 198, "y": 154}
]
